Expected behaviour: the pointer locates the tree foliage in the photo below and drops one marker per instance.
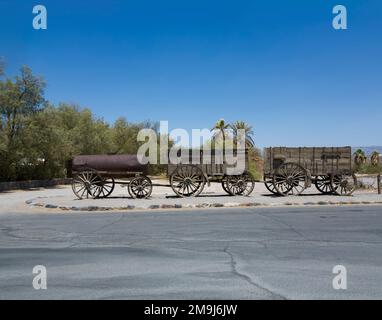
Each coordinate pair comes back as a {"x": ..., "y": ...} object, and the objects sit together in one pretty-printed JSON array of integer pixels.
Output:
[
  {"x": 363, "y": 165},
  {"x": 37, "y": 138},
  {"x": 359, "y": 157},
  {"x": 229, "y": 134},
  {"x": 375, "y": 158},
  {"x": 247, "y": 130},
  {"x": 20, "y": 98}
]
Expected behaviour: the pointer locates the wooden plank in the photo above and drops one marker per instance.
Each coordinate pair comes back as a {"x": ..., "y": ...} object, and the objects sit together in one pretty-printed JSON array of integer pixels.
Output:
[{"x": 319, "y": 160}]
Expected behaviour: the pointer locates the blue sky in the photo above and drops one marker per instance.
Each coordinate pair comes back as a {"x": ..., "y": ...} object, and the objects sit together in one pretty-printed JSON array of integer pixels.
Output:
[{"x": 279, "y": 65}]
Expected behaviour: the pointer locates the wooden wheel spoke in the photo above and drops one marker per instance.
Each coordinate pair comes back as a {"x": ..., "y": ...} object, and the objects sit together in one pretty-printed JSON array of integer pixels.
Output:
[
  {"x": 323, "y": 184},
  {"x": 290, "y": 178},
  {"x": 268, "y": 181},
  {"x": 180, "y": 185},
  {"x": 187, "y": 180},
  {"x": 239, "y": 185},
  {"x": 344, "y": 184},
  {"x": 140, "y": 187},
  {"x": 194, "y": 185}
]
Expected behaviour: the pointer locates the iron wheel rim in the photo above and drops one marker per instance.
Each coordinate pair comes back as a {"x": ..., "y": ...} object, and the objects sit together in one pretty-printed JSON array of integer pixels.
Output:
[
  {"x": 187, "y": 181},
  {"x": 290, "y": 179},
  {"x": 140, "y": 188}
]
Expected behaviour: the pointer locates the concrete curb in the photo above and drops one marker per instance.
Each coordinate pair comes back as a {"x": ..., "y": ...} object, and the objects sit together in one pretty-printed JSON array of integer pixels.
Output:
[{"x": 38, "y": 202}]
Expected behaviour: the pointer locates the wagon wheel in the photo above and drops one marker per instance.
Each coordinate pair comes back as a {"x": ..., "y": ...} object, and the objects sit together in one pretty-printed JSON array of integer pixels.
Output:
[
  {"x": 140, "y": 187},
  {"x": 290, "y": 178},
  {"x": 268, "y": 182},
  {"x": 187, "y": 181},
  {"x": 86, "y": 184},
  {"x": 240, "y": 185},
  {"x": 344, "y": 185},
  {"x": 323, "y": 184},
  {"x": 224, "y": 185},
  {"x": 106, "y": 188}
]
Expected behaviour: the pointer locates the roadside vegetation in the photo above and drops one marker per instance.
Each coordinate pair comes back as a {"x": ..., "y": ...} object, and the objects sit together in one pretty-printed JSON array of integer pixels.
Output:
[
  {"x": 37, "y": 138},
  {"x": 367, "y": 165},
  {"x": 227, "y": 135}
]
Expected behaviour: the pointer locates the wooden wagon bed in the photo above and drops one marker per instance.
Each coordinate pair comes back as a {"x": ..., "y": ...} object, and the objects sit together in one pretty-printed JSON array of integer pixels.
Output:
[
  {"x": 195, "y": 169},
  {"x": 293, "y": 169}
]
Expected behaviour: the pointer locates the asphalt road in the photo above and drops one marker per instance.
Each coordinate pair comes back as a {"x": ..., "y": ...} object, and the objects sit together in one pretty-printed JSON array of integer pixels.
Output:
[{"x": 254, "y": 253}]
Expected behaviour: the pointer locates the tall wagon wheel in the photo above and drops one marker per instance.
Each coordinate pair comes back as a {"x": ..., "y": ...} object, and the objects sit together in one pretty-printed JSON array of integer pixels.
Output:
[
  {"x": 290, "y": 179},
  {"x": 344, "y": 185},
  {"x": 106, "y": 188},
  {"x": 323, "y": 184},
  {"x": 140, "y": 187},
  {"x": 187, "y": 181},
  {"x": 86, "y": 184},
  {"x": 240, "y": 184},
  {"x": 268, "y": 182}
]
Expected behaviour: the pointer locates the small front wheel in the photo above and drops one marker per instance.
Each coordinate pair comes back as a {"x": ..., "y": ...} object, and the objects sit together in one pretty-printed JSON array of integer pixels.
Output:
[
  {"x": 241, "y": 184},
  {"x": 107, "y": 187},
  {"x": 344, "y": 184},
  {"x": 224, "y": 185},
  {"x": 290, "y": 179},
  {"x": 323, "y": 184},
  {"x": 268, "y": 182},
  {"x": 140, "y": 187}
]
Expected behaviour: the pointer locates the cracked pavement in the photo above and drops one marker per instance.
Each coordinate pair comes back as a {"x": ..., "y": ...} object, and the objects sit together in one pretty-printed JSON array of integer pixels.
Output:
[{"x": 222, "y": 253}]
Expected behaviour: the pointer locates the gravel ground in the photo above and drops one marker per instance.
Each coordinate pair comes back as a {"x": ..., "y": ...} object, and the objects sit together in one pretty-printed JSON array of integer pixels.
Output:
[{"x": 62, "y": 198}]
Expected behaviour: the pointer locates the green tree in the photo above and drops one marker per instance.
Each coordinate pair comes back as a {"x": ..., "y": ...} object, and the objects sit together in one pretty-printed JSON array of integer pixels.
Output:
[
  {"x": 374, "y": 158},
  {"x": 124, "y": 136},
  {"x": 45, "y": 145},
  {"x": 88, "y": 134},
  {"x": 220, "y": 131},
  {"x": 247, "y": 130},
  {"x": 19, "y": 98},
  {"x": 37, "y": 138},
  {"x": 359, "y": 157}
]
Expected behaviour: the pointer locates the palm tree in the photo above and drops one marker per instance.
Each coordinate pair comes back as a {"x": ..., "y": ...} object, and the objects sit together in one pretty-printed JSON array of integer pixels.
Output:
[
  {"x": 374, "y": 159},
  {"x": 359, "y": 157},
  {"x": 220, "y": 130},
  {"x": 247, "y": 130}
]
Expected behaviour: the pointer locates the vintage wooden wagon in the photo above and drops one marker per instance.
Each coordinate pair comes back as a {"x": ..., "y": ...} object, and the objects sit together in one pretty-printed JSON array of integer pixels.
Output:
[
  {"x": 196, "y": 169},
  {"x": 95, "y": 176},
  {"x": 292, "y": 170}
]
